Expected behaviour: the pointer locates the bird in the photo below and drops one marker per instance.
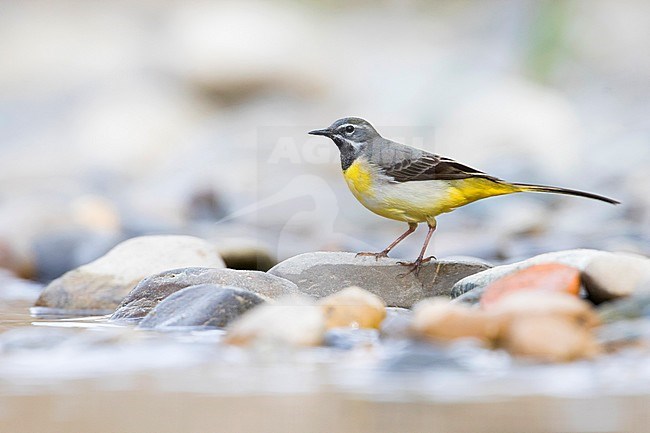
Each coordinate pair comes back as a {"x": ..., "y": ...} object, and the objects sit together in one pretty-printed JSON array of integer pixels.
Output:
[{"x": 414, "y": 186}]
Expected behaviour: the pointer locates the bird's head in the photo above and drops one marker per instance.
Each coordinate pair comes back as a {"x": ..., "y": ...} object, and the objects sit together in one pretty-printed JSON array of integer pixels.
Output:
[{"x": 350, "y": 134}]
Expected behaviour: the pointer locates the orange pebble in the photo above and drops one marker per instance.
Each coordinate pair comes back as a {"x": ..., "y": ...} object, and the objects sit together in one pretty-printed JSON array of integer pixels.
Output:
[{"x": 552, "y": 277}]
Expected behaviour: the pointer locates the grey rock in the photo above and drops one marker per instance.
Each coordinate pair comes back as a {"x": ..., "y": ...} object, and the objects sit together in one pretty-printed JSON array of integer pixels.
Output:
[
  {"x": 633, "y": 307},
  {"x": 470, "y": 298},
  {"x": 152, "y": 290},
  {"x": 476, "y": 283},
  {"x": 611, "y": 277},
  {"x": 320, "y": 274},
  {"x": 397, "y": 323},
  {"x": 103, "y": 283},
  {"x": 203, "y": 305}
]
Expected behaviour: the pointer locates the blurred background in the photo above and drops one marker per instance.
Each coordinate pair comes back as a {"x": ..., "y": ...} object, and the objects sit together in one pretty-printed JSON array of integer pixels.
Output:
[{"x": 137, "y": 117}]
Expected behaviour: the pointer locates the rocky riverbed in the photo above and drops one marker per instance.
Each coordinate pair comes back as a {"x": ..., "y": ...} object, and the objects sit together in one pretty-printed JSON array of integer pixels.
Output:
[
  {"x": 125, "y": 120},
  {"x": 161, "y": 315}
]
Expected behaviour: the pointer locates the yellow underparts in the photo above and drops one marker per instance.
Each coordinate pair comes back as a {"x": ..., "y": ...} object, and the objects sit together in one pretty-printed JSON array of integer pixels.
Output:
[
  {"x": 421, "y": 205},
  {"x": 465, "y": 191}
]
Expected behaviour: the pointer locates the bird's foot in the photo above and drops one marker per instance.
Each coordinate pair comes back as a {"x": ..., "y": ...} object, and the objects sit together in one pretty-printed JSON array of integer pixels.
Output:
[
  {"x": 377, "y": 256},
  {"x": 416, "y": 265}
]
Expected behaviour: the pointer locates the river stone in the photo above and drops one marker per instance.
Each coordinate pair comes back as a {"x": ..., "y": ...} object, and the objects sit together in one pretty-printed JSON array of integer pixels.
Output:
[
  {"x": 353, "y": 307},
  {"x": 549, "y": 338},
  {"x": 202, "y": 305},
  {"x": 291, "y": 321},
  {"x": 617, "y": 276},
  {"x": 103, "y": 283},
  {"x": 629, "y": 308},
  {"x": 320, "y": 274},
  {"x": 471, "y": 287},
  {"x": 547, "y": 277},
  {"x": 437, "y": 319},
  {"x": 150, "y": 291},
  {"x": 471, "y": 298},
  {"x": 558, "y": 304}
]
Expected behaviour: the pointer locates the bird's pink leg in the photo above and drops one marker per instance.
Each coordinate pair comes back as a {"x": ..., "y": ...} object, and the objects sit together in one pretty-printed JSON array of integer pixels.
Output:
[
  {"x": 384, "y": 253},
  {"x": 417, "y": 264}
]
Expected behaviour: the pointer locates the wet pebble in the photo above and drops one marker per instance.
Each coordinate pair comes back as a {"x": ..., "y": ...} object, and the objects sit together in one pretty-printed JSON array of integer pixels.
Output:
[
  {"x": 470, "y": 289},
  {"x": 632, "y": 307},
  {"x": 549, "y": 338},
  {"x": 616, "y": 276},
  {"x": 549, "y": 326},
  {"x": 557, "y": 304},
  {"x": 320, "y": 274},
  {"x": 152, "y": 290},
  {"x": 206, "y": 305},
  {"x": 293, "y": 321},
  {"x": 471, "y": 298},
  {"x": 354, "y": 307},
  {"x": 544, "y": 277},
  {"x": 439, "y": 320}
]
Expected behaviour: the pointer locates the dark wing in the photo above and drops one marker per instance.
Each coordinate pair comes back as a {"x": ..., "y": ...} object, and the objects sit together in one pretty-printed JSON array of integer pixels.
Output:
[{"x": 432, "y": 167}]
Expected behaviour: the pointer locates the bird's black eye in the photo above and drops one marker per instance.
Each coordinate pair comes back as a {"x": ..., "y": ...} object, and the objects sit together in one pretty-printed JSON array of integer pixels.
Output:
[{"x": 349, "y": 129}]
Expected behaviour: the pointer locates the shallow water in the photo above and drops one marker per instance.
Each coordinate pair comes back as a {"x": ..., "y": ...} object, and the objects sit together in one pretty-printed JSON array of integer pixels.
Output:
[{"x": 85, "y": 374}]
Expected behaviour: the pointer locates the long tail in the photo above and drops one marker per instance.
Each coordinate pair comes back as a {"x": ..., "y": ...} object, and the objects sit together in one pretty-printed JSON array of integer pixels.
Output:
[{"x": 553, "y": 189}]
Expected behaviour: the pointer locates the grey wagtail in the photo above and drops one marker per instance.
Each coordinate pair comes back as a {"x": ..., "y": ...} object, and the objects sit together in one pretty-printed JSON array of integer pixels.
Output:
[{"x": 411, "y": 185}]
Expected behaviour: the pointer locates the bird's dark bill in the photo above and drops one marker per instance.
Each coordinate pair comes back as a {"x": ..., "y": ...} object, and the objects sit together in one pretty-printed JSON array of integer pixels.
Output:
[{"x": 326, "y": 132}]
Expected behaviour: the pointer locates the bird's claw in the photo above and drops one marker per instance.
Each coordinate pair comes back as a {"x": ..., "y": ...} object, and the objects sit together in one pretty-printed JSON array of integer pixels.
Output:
[
  {"x": 415, "y": 266},
  {"x": 375, "y": 255}
]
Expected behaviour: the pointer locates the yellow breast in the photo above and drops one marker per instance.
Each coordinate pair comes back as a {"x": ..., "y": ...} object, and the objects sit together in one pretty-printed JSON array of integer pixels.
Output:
[
  {"x": 369, "y": 188},
  {"x": 359, "y": 178}
]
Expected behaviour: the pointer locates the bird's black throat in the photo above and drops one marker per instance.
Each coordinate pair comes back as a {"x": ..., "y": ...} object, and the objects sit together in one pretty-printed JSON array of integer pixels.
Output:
[{"x": 348, "y": 152}]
